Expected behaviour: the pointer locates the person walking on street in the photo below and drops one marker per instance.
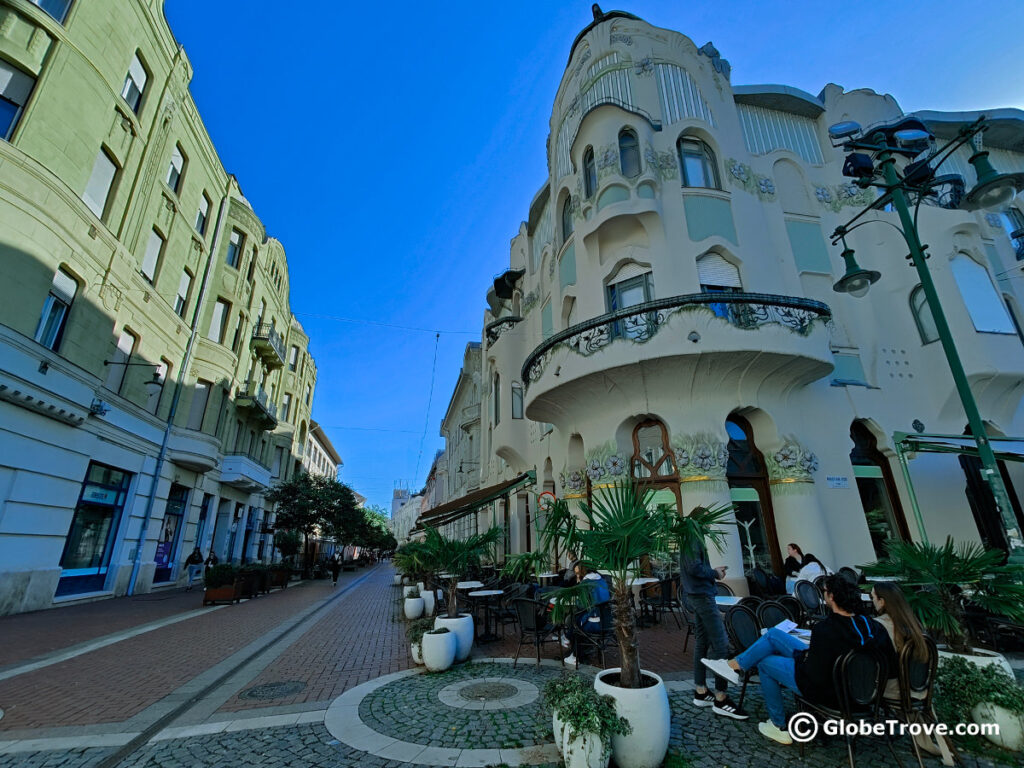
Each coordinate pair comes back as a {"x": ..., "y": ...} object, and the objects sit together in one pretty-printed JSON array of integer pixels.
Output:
[
  {"x": 212, "y": 559},
  {"x": 195, "y": 566},
  {"x": 335, "y": 568},
  {"x": 698, "y": 580}
]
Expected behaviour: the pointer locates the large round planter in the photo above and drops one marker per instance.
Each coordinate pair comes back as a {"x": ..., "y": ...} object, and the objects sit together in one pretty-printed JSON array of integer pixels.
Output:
[
  {"x": 406, "y": 591},
  {"x": 413, "y": 607},
  {"x": 647, "y": 710},
  {"x": 397, "y": 580},
  {"x": 416, "y": 650},
  {"x": 1011, "y": 725},
  {"x": 584, "y": 751},
  {"x": 429, "y": 602},
  {"x": 462, "y": 628},
  {"x": 439, "y": 650},
  {"x": 979, "y": 657},
  {"x": 558, "y": 729}
]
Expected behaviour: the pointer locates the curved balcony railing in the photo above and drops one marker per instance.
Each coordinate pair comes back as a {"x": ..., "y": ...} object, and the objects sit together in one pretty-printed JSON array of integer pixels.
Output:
[
  {"x": 641, "y": 322},
  {"x": 493, "y": 330}
]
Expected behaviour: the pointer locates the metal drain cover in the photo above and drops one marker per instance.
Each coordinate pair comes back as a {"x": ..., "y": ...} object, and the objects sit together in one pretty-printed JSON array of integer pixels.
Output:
[
  {"x": 488, "y": 691},
  {"x": 273, "y": 690}
]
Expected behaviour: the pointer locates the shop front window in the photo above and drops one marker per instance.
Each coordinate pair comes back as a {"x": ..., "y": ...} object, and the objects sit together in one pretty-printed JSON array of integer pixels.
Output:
[
  {"x": 878, "y": 496},
  {"x": 177, "y": 503}
]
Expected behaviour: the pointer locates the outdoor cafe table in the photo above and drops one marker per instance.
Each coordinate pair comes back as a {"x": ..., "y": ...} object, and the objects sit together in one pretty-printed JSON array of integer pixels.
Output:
[
  {"x": 545, "y": 579},
  {"x": 469, "y": 585},
  {"x": 725, "y": 602},
  {"x": 486, "y": 595}
]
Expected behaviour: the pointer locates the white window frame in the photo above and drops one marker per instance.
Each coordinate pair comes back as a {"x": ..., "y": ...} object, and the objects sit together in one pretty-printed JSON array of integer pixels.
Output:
[
  {"x": 184, "y": 289},
  {"x": 219, "y": 320},
  {"x": 101, "y": 181},
  {"x": 58, "y": 304},
  {"x": 136, "y": 77},
  {"x": 236, "y": 242},
  {"x": 203, "y": 213},
  {"x": 151, "y": 258},
  {"x": 118, "y": 365},
  {"x": 176, "y": 168},
  {"x": 15, "y": 88}
]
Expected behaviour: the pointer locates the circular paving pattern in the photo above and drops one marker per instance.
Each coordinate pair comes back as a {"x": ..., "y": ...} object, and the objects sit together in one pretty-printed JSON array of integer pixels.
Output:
[
  {"x": 273, "y": 690},
  {"x": 488, "y": 691}
]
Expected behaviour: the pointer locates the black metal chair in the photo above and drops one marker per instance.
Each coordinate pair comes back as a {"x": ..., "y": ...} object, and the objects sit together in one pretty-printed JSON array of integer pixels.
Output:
[
  {"x": 819, "y": 581},
  {"x": 595, "y": 639},
  {"x": 533, "y": 625},
  {"x": 771, "y": 613},
  {"x": 688, "y": 617},
  {"x": 757, "y": 580},
  {"x": 859, "y": 678},
  {"x": 849, "y": 574},
  {"x": 744, "y": 630},
  {"x": 792, "y": 606},
  {"x": 751, "y": 602},
  {"x": 660, "y": 598},
  {"x": 723, "y": 590},
  {"x": 504, "y": 613},
  {"x": 811, "y": 600}
]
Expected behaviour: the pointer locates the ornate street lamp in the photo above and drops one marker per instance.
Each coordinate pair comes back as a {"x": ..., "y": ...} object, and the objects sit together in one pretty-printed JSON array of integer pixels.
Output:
[{"x": 908, "y": 137}]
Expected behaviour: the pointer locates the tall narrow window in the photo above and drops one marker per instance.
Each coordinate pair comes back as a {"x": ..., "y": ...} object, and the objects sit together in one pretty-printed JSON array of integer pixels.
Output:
[
  {"x": 629, "y": 154},
  {"x": 15, "y": 87},
  {"x": 200, "y": 396},
  {"x": 117, "y": 366},
  {"x": 176, "y": 169},
  {"x": 55, "y": 310},
  {"x": 629, "y": 292},
  {"x": 101, "y": 180},
  {"x": 219, "y": 321},
  {"x": 698, "y": 164},
  {"x": 923, "y": 316},
  {"x": 497, "y": 398},
  {"x": 151, "y": 259},
  {"x": 236, "y": 342},
  {"x": 203, "y": 214},
  {"x": 567, "y": 219},
  {"x": 979, "y": 294},
  {"x": 878, "y": 495},
  {"x": 517, "y": 400},
  {"x": 252, "y": 265},
  {"x": 309, "y": 393},
  {"x": 286, "y": 406},
  {"x": 156, "y": 393},
  {"x": 589, "y": 173},
  {"x": 181, "y": 299},
  {"x": 235, "y": 248},
  {"x": 293, "y": 358},
  {"x": 58, "y": 9},
  {"x": 717, "y": 275},
  {"x": 134, "y": 84}
]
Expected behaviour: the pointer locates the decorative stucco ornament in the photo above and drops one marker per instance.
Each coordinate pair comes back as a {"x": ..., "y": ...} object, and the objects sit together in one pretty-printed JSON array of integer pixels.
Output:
[
  {"x": 720, "y": 65},
  {"x": 645, "y": 66}
]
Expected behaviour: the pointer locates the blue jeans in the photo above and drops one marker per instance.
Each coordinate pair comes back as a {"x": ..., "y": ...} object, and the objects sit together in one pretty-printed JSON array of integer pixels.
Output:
[
  {"x": 773, "y": 656},
  {"x": 710, "y": 634}
]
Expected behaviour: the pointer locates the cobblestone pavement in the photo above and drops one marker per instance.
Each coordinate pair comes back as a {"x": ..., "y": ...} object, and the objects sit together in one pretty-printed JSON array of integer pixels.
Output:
[{"x": 231, "y": 688}]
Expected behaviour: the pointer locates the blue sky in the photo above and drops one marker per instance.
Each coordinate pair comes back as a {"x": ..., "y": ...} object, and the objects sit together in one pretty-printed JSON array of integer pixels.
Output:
[{"x": 394, "y": 148}]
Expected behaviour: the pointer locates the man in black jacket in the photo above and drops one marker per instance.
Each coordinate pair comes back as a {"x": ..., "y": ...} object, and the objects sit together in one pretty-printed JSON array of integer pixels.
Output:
[{"x": 785, "y": 661}]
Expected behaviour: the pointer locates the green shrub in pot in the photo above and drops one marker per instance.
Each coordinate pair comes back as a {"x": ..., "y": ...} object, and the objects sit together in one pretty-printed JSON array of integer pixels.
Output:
[{"x": 219, "y": 575}]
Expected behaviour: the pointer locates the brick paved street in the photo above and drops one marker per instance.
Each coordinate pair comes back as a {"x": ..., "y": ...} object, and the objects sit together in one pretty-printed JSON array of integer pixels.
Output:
[{"x": 253, "y": 685}]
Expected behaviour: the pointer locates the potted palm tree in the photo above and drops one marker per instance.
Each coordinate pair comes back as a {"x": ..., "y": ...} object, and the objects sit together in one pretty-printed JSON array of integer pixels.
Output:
[
  {"x": 941, "y": 581},
  {"x": 619, "y": 527},
  {"x": 454, "y": 557}
]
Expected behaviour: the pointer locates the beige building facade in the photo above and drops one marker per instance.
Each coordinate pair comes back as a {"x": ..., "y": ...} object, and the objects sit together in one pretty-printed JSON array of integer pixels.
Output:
[
  {"x": 153, "y": 381},
  {"x": 668, "y": 313}
]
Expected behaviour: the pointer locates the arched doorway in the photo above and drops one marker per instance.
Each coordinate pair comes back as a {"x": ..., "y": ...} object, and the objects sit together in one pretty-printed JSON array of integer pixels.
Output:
[
  {"x": 983, "y": 503},
  {"x": 878, "y": 495},
  {"x": 751, "y": 497}
]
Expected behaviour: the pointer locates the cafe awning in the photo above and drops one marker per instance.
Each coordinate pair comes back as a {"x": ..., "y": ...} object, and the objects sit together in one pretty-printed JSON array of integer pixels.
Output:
[{"x": 471, "y": 502}]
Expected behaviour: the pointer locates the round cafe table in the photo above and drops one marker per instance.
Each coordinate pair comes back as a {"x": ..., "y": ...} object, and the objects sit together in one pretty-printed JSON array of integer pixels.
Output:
[
  {"x": 487, "y": 596},
  {"x": 469, "y": 585},
  {"x": 547, "y": 579}
]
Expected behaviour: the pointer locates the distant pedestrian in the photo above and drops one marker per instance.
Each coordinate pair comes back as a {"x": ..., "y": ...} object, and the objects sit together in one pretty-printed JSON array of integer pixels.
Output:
[
  {"x": 195, "y": 566},
  {"x": 335, "y": 568},
  {"x": 212, "y": 559}
]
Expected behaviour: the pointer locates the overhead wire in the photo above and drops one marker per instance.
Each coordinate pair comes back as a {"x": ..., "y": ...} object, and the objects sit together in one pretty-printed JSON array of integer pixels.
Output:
[
  {"x": 430, "y": 399},
  {"x": 396, "y": 326}
]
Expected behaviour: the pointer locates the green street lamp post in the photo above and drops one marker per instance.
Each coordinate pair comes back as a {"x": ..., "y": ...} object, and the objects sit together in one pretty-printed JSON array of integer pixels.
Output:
[{"x": 993, "y": 190}]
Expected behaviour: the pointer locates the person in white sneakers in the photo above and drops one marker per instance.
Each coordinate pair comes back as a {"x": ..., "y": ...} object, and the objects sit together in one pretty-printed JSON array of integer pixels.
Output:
[{"x": 784, "y": 661}]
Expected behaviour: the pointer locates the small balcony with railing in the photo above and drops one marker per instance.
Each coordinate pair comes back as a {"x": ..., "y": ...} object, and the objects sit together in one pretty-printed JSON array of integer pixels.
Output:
[
  {"x": 244, "y": 473},
  {"x": 255, "y": 402},
  {"x": 697, "y": 340},
  {"x": 268, "y": 344}
]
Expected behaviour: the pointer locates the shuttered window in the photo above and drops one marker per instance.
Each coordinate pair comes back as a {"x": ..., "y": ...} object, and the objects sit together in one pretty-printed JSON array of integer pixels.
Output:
[
  {"x": 181, "y": 300},
  {"x": 100, "y": 182},
  {"x": 715, "y": 272},
  {"x": 154, "y": 247},
  {"x": 218, "y": 321},
  {"x": 134, "y": 84}
]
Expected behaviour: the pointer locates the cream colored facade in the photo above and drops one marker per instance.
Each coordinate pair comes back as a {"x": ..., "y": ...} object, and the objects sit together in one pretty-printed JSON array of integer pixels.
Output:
[
  {"x": 124, "y": 240},
  {"x": 319, "y": 456},
  {"x": 668, "y": 184}
]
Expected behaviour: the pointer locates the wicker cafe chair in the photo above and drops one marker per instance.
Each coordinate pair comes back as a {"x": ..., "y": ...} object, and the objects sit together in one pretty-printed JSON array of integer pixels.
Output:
[
  {"x": 771, "y": 613},
  {"x": 859, "y": 678},
  {"x": 533, "y": 625},
  {"x": 743, "y": 629}
]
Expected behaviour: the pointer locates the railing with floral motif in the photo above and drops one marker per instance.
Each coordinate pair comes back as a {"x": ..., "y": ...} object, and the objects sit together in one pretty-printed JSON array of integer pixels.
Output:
[
  {"x": 640, "y": 322},
  {"x": 493, "y": 330}
]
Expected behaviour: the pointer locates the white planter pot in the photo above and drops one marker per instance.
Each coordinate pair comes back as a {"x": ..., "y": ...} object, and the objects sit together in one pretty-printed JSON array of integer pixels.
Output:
[
  {"x": 428, "y": 602},
  {"x": 979, "y": 657},
  {"x": 584, "y": 751},
  {"x": 558, "y": 729},
  {"x": 416, "y": 649},
  {"x": 413, "y": 607},
  {"x": 439, "y": 651},
  {"x": 647, "y": 710},
  {"x": 462, "y": 628},
  {"x": 1011, "y": 725},
  {"x": 407, "y": 590},
  {"x": 397, "y": 580},
  {"x": 419, "y": 584}
]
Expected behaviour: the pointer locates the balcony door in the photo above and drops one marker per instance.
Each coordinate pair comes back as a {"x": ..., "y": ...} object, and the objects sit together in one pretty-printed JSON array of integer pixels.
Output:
[
  {"x": 752, "y": 499},
  {"x": 632, "y": 287}
]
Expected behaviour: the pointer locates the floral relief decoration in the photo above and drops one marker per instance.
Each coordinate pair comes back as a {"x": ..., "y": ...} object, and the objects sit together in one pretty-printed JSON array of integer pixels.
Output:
[
  {"x": 645, "y": 66},
  {"x": 607, "y": 159},
  {"x": 662, "y": 163},
  {"x": 605, "y": 464},
  {"x": 792, "y": 463},
  {"x": 742, "y": 176},
  {"x": 841, "y": 195},
  {"x": 700, "y": 457},
  {"x": 529, "y": 302},
  {"x": 619, "y": 38}
]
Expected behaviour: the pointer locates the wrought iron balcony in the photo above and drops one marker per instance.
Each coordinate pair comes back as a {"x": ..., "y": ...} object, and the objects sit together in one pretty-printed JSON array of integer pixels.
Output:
[
  {"x": 268, "y": 344},
  {"x": 641, "y": 322},
  {"x": 256, "y": 401},
  {"x": 493, "y": 330}
]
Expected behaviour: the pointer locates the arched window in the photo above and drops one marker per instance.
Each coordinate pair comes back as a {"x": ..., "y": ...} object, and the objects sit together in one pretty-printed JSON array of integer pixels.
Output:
[
  {"x": 751, "y": 497},
  {"x": 983, "y": 305},
  {"x": 877, "y": 490},
  {"x": 923, "y": 316},
  {"x": 653, "y": 465},
  {"x": 698, "y": 164},
  {"x": 717, "y": 275},
  {"x": 589, "y": 173},
  {"x": 629, "y": 153},
  {"x": 567, "y": 218}
]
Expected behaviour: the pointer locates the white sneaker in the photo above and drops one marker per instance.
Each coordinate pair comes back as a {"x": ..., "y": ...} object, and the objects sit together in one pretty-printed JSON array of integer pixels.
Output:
[
  {"x": 570, "y": 660},
  {"x": 773, "y": 732},
  {"x": 721, "y": 668},
  {"x": 565, "y": 642}
]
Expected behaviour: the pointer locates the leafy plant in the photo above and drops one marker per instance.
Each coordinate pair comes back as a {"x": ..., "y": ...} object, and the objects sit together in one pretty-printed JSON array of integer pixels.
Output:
[
  {"x": 561, "y": 687},
  {"x": 961, "y": 686},
  {"x": 941, "y": 580},
  {"x": 583, "y": 711},
  {"x": 220, "y": 575},
  {"x": 416, "y": 629},
  {"x": 288, "y": 542},
  {"x": 526, "y": 566},
  {"x": 414, "y": 592},
  {"x": 455, "y": 556},
  {"x": 438, "y": 631}
]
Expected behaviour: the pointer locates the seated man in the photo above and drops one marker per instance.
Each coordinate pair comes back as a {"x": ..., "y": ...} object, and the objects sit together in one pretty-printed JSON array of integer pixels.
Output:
[{"x": 785, "y": 661}]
